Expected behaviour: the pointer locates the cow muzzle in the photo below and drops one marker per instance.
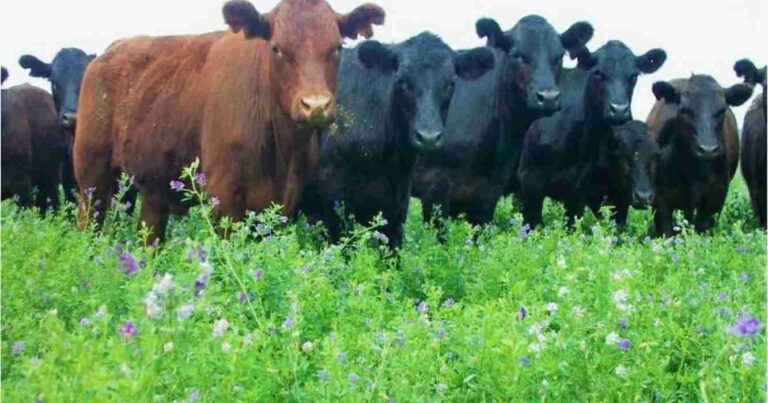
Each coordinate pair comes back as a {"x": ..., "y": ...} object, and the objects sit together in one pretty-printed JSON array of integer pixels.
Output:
[{"x": 317, "y": 110}]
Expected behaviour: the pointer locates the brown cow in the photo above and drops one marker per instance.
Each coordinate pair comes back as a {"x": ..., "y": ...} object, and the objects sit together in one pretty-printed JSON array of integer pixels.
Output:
[
  {"x": 250, "y": 104},
  {"x": 754, "y": 144},
  {"x": 698, "y": 137},
  {"x": 33, "y": 146}
]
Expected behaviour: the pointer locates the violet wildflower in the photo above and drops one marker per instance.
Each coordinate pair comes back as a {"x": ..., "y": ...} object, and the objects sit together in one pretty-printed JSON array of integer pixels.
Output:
[
  {"x": 214, "y": 201},
  {"x": 219, "y": 327},
  {"x": 723, "y": 296},
  {"x": 449, "y": 303},
  {"x": 101, "y": 311},
  {"x": 743, "y": 277},
  {"x": 380, "y": 237},
  {"x": 197, "y": 253},
  {"x": 200, "y": 179},
  {"x": 745, "y": 327},
  {"x": 748, "y": 358},
  {"x": 625, "y": 344},
  {"x": 621, "y": 370},
  {"x": 440, "y": 332},
  {"x": 522, "y": 313},
  {"x": 177, "y": 185},
  {"x": 423, "y": 307},
  {"x": 551, "y": 307},
  {"x": 84, "y": 321},
  {"x": 128, "y": 330},
  {"x": 353, "y": 377},
  {"x": 185, "y": 311},
  {"x": 525, "y": 231},
  {"x": 194, "y": 395},
  {"x": 288, "y": 323},
  {"x": 525, "y": 361},
  {"x": 307, "y": 347},
  {"x": 89, "y": 192},
  {"x": 205, "y": 274},
  {"x": 623, "y": 324},
  {"x": 128, "y": 263},
  {"x": 323, "y": 374},
  {"x": 612, "y": 339},
  {"x": 18, "y": 348},
  {"x": 258, "y": 274},
  {"x": 342, "y": 357},
  {"x": 441, "y": 388},
  {"x": 243, "y": 297}
]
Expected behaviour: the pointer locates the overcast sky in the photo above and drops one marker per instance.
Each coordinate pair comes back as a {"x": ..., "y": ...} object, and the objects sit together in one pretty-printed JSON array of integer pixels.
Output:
[{"x": 699, "y": 36}]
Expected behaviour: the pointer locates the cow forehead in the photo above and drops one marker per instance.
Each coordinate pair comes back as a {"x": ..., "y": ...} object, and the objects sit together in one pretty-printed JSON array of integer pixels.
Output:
[
  {"x": 532, "y": 38},
  {"x": 702, "y": 93},
  {"x": 305, "y": 23}
]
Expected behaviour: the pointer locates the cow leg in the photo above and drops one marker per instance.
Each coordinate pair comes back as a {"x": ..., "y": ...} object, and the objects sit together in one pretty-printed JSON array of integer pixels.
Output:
[
  {"x": 662, "y": 220},
  {"x": 532, "y": 198},
  {"x": 573, "y": 210},
  {"x": 711, "y": 205},
  {"x": 154, "y": 215},
  {"x": 620, "y": 215}
]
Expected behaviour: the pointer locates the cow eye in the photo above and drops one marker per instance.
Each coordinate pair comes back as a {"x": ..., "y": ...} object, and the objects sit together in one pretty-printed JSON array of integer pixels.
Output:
[{"x": 276, "y": 50}]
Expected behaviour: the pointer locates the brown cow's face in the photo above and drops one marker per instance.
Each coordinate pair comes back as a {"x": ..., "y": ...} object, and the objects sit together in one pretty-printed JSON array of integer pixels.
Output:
[{"x": 304, "y": 40}]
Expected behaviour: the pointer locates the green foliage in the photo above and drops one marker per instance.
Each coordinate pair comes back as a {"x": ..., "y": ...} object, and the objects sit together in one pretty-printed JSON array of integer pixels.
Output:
[{"x": 271, "y": 313}]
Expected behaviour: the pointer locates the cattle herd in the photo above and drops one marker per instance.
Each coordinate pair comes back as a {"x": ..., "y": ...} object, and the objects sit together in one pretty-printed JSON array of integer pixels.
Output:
[{"x": 278, "y": 111}]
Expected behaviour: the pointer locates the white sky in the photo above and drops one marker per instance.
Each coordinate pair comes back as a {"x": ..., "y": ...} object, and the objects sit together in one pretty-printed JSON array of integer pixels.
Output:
[{"x": 701, "y": 36}]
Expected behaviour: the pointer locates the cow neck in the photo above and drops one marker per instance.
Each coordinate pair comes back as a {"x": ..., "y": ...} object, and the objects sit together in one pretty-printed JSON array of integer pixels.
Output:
[
  {"x": 292, "y": 143},
  {"x": 514, "y": 121}
]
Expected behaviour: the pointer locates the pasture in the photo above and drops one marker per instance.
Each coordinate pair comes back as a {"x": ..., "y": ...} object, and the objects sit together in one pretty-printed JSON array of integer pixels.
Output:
[{"x": 274, "y": 313}]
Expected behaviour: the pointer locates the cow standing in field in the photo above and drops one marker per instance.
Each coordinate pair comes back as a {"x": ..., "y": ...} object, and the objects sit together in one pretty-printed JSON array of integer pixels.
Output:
[
  {"x": 488, "y": 117},
  {"x": 698, "y": 136},
  {"x": 393, "y": 101},
  {"x": 249, "y": 103},
  {"x": 753, "y": 143},
  {"x": 33, "y": 146},
  {"x": 625, "y": 172},
  {"x": 560, "y": 153},
  {"x": 65, "y": 73}
]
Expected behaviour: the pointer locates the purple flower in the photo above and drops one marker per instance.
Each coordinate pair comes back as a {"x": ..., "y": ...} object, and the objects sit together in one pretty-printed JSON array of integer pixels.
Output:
[
  {"x": 323, "y": 374},
  {"x": 177, "y": 185},
  {"x": 440, "y": 332},
  {"x": 723, "y": 296},
  {"x": 205, "y": 275},
  {"x": 84, "y": 322},
  {"x": 525, "y": 361},
  {"x": 243, "y": 297},
  {"x": 258, "y": 274},
  {"x": 522, "y": 313},
  {"x": 625, "y": 344},
  {"x": 525, "y": 231},
  {"x": 623, "y": 324},
  {"x": 353, "y": 377},
  {"x": 380, "y": 237},
  {"x": 89, "y": 192},
  {"x": 423, "y": 307},
  {"x": 18, "y": 348},
  {"x": 743, "y": 277},
  {"x": 449, "y": 303},
  {"x": 128, "y": 263},
  {"x": 342, "y": 357},
  {"x": 745, "y": 327},
  {"x": 194, "y": 395},
  {"x": 128, "y": 330},
  {"x": 214, "y": 201},
  {"x": 200, "y": 179},
  {"x": 288, "y": 323},
  {"x": 197, "y": 253}
]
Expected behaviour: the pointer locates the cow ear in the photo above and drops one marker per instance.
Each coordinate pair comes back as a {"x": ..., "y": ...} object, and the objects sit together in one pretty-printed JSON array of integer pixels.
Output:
[
  {"x": 92, "y": 56},
  {"x": 474, "y": 63},
  {"x": 488, "y": 28},
  {"x": 651, "y": 61},
  {"x": 738, "y": 94},
  {"x": 3, "y": 74},
  {"x": 374, "y": 54},
  {"x": 745, "y": 69},
  {"x": 585, "y": 59},
  {"x": 37, "y": 68},
  {"x": 664, "y": 90},
  {"x": 360, "y": 21},
  {"x": 577, "y": 36},
  {"x": 241, "y": 15}
]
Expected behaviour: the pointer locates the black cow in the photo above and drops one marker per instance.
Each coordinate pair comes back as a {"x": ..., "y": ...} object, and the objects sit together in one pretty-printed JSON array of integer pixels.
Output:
[
  {"x": 753, "y": 141},
  {"x": 626, "y": 171},
  {"x": 698, "y": 136},
  {"x": 560, "y": 152},
  {"x": 489, "y": 116},
  {"x": 65, "y": 73},
  {"x": 392, "y": 102},
  {"x": 3, "y": 75},
  {"x": 33, "y": 146}
]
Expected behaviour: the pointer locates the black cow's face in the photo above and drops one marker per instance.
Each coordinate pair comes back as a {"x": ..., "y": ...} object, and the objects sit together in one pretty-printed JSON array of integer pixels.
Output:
[
  {"x": 535, "y": 58},
  {"x": 636, "y": 156},
  {"x": 701, "y": 109},
  {"x": 65, "y": 74},
  {"x": 425, "y": 70},
  {"x": 614, "y": 70}
]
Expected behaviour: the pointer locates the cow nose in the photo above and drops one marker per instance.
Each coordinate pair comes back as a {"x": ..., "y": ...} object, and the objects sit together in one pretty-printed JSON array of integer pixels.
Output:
[
  {"x": 708, "y": 150},
  {"x": 68, "y": 120},
  {"x": 619, "y": 111},
  {"x": 548, "y": 97},
  {"x": 429, "y": 138},
  {"x": 642, "y": 198},
  {"x": 315, "y": 104}
]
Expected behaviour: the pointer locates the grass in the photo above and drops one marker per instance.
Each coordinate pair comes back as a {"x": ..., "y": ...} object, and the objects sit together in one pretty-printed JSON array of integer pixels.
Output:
[{"x": 608, "y": 315}]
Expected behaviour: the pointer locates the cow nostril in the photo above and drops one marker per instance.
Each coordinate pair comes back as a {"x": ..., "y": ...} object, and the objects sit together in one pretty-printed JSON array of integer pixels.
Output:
[
  {"x": 709, "y": 149},
  {"x": 431, "y": 137},
  {"x": 547, "y": 96},
  {"x": 643, "y": 197},
  {"x": 619, "y": 109},
  {"x": 315, "y": 103}
]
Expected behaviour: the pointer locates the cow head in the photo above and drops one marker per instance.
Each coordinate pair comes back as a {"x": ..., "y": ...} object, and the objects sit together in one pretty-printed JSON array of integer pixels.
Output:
[
  {"x": 535, "y": 58},
  {"x": 425, "y": 70},
  {"x": 635, "y": 157},
  {"x": 614, "y": 70},
  {"x": 304, "y": 39},
  {"x": 65, "y": 74},
  {"x": 751, "y": 74},
  {"x": 3, "y": 75},
  {"x": 701, "y": 105}
]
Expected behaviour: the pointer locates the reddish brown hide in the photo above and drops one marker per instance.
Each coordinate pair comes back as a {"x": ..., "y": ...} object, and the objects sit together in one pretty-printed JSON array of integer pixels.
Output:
[{"x": 248, "y": 103}]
